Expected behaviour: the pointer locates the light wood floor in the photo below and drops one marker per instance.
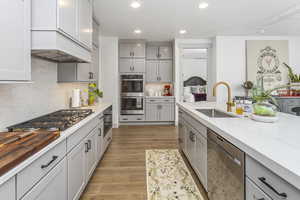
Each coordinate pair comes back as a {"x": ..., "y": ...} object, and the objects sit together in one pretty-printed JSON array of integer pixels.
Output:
[{"x": 121, "y": 175}]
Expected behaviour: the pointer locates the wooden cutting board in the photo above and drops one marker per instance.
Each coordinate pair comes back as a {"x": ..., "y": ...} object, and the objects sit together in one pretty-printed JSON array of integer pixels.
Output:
[{"x": 12, "y": 154}]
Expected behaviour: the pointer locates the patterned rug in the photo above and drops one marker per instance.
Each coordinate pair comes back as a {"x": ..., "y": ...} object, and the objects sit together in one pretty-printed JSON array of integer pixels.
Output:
[{"x": 168, "y": 178}]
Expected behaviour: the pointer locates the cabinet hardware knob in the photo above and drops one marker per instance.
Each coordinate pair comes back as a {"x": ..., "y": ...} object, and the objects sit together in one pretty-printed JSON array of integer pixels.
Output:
[
  {"x": 50, "y": 162},
  {"x": 282, "y": 195}
]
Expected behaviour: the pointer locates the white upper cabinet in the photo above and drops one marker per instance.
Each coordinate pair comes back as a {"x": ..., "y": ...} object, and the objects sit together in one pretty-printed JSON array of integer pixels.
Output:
[
  {"x": 67, "y": 16},
  {"x": 96, "y": 32},
  {"x": 85, "y": 17},
  {"x": 15, "y": 40},
  {"x": 132, "y": 49},
  {"x": 159, "y": 51}
]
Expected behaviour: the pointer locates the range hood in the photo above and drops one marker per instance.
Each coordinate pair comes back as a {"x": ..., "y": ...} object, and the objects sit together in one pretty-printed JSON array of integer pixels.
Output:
[{"x": 53, "y": 45}]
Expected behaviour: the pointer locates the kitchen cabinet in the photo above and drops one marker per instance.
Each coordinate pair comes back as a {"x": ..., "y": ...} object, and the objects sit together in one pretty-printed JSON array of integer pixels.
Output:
[
  {"x": 80, "y": 72},
  {"x": 52, "y": 186},
  {"x": 61, "y": 30},
  {"x": 96, "y": 33},
  {"x": 15, "y": 49},
  {"x": 99, "y": 140},
  {"x": 132, "y": 49},
  {"x": 8, "y": 189},
  {"x": 192, "y": 137},
  {"x": 159, "y": 71},
  {"x": 85, "y": 24},
  {"x": 160, "y": 110},
  {"x": 159, "y": 52},
  {"x": 67, "y": 16},
  {"x": 253, "y": 192},
  {"x": 76, "y": 171},
  {"x": 91, "y": 157},
  {"x": 132, "y": 65}
]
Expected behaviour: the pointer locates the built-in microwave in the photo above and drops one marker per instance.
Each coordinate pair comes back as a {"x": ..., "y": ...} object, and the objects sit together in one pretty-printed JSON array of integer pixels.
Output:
[
  {"x": 132, "y": 105},
  {"x": 132, "y": 85}
]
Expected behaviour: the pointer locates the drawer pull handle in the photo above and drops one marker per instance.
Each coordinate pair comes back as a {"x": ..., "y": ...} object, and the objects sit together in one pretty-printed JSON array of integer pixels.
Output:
[
  {"x": 49, "y": 163},
  {"x": 100, "y": 131},
  {"x": 86, "y": 147},
  {"x": 264, "y": 181}
]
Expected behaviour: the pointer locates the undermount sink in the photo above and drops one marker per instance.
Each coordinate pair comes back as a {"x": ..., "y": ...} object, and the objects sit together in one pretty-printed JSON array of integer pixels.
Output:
[{"x": 213, "y": 113}]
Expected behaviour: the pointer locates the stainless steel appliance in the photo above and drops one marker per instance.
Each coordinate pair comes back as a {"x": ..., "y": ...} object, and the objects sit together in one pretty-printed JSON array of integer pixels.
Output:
[
  {"x": 107, "y": 120},
  {"x": 59, "y": 120},
  {"x": 226, "y": 169},
  {"x": 132, "y": 85},
  {"x": 132, "y": 105}
]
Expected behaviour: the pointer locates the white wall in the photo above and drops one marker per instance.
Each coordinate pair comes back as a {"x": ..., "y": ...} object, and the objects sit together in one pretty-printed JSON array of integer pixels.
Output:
[
  {"x": 110, "y": 74},
  {"x": 230, "y": 58},
  {"x": 21, "y": 102}
]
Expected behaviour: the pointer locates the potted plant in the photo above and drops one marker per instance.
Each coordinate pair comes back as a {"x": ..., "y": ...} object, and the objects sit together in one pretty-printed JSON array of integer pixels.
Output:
[
  {"x": 265, "y": 108},
  {"x": 93, "y": 93},
  {"x": 294, "y": 79}
]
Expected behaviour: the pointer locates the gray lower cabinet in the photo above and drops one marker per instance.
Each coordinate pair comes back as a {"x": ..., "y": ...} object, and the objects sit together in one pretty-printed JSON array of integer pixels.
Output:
[
  {"x": 253, "y": 192},
  {"x": 76, "y": 171},
  {"x": 8, "y": 189},
  {"x": 192, "y": 137},
  {"x": 129, "y": 65},
  {"x": 52, "y": 186},
  {"x": 160, "y": 112},
  {"x": 268, "y": 183},
  {"x": 159, "y": 71}
]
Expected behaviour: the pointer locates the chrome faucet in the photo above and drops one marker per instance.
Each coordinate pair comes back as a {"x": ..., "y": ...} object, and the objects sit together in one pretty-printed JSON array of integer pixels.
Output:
[{"x": 229, "y": 103}]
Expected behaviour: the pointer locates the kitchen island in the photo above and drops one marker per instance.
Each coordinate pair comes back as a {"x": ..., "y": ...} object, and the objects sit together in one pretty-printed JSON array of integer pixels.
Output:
[{"x": 273, "y": 145}]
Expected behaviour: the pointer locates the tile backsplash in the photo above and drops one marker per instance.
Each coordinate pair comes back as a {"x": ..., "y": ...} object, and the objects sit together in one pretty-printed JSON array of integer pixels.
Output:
[
  {"x": 21, "y": 102},
  {"x": 156, "y": 87}
]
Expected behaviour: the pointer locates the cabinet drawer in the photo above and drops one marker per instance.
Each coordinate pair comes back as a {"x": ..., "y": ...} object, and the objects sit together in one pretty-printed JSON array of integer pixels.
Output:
[
  {"x": 160, "y": 100},
  {"x": 28, "y": 177},
  {"x": 132, "y": 118},
  {"x": 270, "y": 183},
  {"x": 196, "y": 125},
  {"x": 81, "y": 133},
  {"x": 52, "y": 187},
  {"x": 253, "y": 192},
  {"x": 8, "y": 189}
]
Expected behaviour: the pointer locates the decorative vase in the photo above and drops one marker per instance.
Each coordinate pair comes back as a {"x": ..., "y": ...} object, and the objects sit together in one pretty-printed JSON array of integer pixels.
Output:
[
  {"x": 91, "y": 101},
  {"x": 264, "y": 109}
]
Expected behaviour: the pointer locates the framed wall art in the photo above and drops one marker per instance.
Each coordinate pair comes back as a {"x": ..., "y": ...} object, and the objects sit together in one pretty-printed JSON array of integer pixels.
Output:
[{"x": 265, "y": 60}]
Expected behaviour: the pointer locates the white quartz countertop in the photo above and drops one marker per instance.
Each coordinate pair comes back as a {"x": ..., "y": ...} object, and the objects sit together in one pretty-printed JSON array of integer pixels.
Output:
[
  {"x": 275, "y": 145},
  {"x": 98, "y": 109}
]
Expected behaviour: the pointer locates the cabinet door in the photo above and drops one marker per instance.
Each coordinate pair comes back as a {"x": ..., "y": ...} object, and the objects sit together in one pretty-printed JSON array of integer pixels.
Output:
[
  {"x": 166, "y": 112},
  {"x": 95, "y": 64},
  {"x": 191, "y": 144},
  {"x": 165, "y": 52},
  {"x": 139, "y": 50},
  {"x": 199, "y": 159},
  {"x": 152, "y": 52},
  {"x": 95, "y": 34},
  {"x": 165, "y": 71},
  {"x": 151, "y": 112},
  {"x": 67, "y": 17},
  {"x": 85, "y": 19},
  {"x": 52, "y": 186},
  {"x": 91, "y": 159},
  {"x": 181, "y": 134},
  {"x": 8, "y": 189},
  {"x": 76, "y": 171},
  {"x": 151, "y": 71},
  {"x": 125, "y": 50},
  {"x": 83, "y": 72},
  {"x": 138, "y": 65},
  {"x": 125, "y": 65},
  {"x": 99, "y": 141},
  {"x": 15, "y": 48}
]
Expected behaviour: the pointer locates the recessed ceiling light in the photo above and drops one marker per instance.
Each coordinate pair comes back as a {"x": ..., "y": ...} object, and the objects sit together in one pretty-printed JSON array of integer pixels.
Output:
[
  {"x": 135, "y": 4},
  {"x": 203, "y": 5},
  {"x": 182, "y": 31},
  {"x": 137, "y": 31}
]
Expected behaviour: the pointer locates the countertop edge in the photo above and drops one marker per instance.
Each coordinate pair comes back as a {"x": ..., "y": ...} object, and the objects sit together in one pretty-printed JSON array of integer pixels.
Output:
[
  {"x": 98, "y": 109},
  {"x": 276, "y": 168}
]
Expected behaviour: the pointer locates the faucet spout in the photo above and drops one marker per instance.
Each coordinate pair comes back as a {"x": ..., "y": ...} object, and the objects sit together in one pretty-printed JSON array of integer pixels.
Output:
[{"x": 229, "y": 103}]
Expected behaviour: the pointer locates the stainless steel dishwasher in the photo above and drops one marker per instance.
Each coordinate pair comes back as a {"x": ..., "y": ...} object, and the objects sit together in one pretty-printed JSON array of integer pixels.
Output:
[{"x": 226, "y": 169}]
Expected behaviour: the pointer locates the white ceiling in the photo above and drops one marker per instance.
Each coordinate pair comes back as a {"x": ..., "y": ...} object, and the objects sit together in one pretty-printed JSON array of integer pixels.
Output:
[{"x": 162, "y": 19}]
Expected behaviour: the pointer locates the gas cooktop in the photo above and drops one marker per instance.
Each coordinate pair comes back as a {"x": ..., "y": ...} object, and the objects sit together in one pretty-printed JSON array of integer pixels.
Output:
[{"x": 59, "y": 120}]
